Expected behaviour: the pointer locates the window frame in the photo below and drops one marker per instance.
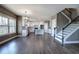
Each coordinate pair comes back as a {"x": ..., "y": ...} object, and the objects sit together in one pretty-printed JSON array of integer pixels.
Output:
[
  {"x": 7, "y": 25},
  {"x": 12, "y": 25}
]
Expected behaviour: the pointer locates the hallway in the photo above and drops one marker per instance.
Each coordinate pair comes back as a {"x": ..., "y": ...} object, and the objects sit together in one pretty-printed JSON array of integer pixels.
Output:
[{"x": 36, "y": 45}]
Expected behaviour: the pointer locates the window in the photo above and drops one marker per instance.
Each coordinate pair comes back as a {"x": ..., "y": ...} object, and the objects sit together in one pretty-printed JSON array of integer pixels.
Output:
[
  {"x": 12, "y": 25},
  {"x": 7, "y": 25},
  {"x": 3, "y": 25}
]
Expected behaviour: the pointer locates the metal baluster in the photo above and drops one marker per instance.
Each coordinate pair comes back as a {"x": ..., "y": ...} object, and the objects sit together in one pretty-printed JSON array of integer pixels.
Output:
[
  {"x": 54, "y": 33},
  {"x": 62, "y": 38}
]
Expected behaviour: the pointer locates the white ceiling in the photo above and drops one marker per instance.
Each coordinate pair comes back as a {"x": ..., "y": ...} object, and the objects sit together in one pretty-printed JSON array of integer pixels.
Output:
[{"x": 38, "y": 11}]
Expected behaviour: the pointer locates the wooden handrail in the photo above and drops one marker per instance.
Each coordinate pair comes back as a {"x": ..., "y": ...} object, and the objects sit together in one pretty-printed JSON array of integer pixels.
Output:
[{"x": 68, "y": 11}]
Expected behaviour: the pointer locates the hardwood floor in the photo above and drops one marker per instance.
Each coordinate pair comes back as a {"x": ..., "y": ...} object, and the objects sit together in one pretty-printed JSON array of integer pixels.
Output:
[{"x": 37, "y": 45}]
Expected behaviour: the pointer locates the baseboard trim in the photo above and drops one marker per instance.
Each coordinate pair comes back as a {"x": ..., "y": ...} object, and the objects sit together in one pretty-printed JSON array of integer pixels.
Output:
[
  {"x": 71, "y": 42},
  {"x": 8, "y": 39},
  {"x": 68, "y": 42}
]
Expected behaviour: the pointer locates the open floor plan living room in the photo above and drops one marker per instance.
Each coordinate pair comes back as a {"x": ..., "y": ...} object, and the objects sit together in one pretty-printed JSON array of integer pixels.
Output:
[{"x": 39, "y": 28}]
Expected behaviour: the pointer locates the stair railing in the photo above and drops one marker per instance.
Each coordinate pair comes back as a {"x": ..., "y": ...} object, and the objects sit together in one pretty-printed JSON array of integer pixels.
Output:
[
  {"x": 62, "y": 30},
  {"x": 62, "y": 36},
  {"x": 68, "y": 10},
  {"x": 69, "y": 19},
  {"x": 54, "y": 32}
]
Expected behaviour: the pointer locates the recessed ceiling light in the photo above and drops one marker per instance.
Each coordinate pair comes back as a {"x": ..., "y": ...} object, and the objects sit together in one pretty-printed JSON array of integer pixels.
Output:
[{"x": 28, "y": 12}]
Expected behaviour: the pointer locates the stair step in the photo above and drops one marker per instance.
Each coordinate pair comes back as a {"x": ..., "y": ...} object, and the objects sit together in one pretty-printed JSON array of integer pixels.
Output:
[
  {"x": 74, "y": 24},
  {"x": 67, "y": 31},
  {"x": 72, "y": 27},
  {"x": 64, "y": 33},
  {"x": 61, "y": 35},
  {"x": 58, "y": 37}
]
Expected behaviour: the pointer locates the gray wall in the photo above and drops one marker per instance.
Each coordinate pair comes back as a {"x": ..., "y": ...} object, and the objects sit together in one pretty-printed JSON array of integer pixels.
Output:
[
  {"x": 74, "y": 36},
  {"x": 74, "y": 13},
  {"x": 61, "y": 21}
]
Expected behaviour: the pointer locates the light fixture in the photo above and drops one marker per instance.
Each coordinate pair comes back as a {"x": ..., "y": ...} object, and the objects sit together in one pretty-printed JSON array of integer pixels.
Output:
[
  {"x": 26, "y": 18},
  {"x": 28, "y": 12}
]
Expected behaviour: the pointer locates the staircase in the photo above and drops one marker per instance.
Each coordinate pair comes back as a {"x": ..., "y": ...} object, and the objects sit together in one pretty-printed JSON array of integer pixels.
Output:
[{"x": 68, "y": 32}]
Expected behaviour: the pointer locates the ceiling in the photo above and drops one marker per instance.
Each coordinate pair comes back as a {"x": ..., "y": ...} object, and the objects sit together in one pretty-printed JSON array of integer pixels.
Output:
[{"x": 38, "y": 11}]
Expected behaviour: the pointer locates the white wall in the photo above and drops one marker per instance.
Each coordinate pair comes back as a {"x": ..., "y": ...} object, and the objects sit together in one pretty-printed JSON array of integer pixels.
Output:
[
  {"x": 46, "y": 27},
  {"x": 53, "y": 25},
  {"x": 35, "y": 23},
  {"x": 38, "y": 23},
  {"x": 32, "y": 25}
]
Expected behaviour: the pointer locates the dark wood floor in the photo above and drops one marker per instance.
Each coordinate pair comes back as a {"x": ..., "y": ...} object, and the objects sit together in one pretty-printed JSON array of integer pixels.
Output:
[{"x": 37, "y": 45}]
